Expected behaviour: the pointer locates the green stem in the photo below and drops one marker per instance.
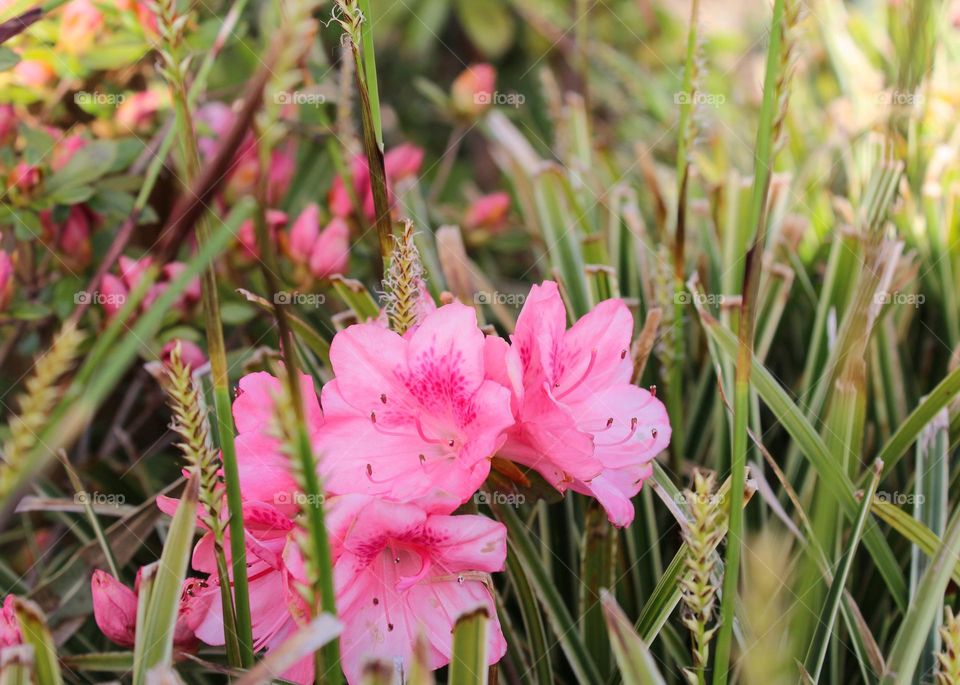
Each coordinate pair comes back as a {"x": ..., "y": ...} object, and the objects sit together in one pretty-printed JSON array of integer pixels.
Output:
[{"x": 370, "y": 69}]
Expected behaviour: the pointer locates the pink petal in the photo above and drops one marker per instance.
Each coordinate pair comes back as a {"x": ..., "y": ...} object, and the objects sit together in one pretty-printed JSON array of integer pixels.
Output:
[
  {"x": 304, "y": 232},
  {"x": 114, "y": 608},
  {"x": 468, "y": 543}
]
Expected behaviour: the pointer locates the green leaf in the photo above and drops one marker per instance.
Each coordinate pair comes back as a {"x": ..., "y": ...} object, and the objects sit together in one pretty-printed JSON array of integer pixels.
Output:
[
  {"x": 912, "y": 529},
  {"x": 912, "y": 635},
  {"x": 488, "y": 24},
  {"x": 637, "y": 666},
  {"x": 104, "y": 662},
  {"x": 156, "y": 638},
  {"x": 88, "y": 164},
  {"x": 33, "y": 628},
  {"x": 468, "y": 662},
  {"x": 8, "y": 58},
  {"x": 71, "y": 195}
]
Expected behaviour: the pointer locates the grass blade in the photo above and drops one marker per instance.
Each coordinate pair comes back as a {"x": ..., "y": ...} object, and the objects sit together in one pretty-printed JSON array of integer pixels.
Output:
[{"x": 468, "y": 663}]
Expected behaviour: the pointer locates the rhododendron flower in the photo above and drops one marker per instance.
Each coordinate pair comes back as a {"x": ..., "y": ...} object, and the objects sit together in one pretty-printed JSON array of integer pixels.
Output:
[
  {"x": 412, "y": 417},
  {"x": 6, "y": 279},
  {"x": 115, "y": 609},
  {"x": 400, "y": 571},
  {"x": 71, "y": 239},
  {"x": 247, "y": 232},
  {"x": 325, "y": 252},
  {"x": 9, "y": 625},
  {"x": 472, "y": 90},
  {"x": 33, "y": 73},
  {"x": 8, "y": 124},
  {"x": 114, "y": 290},
  {"x": 488, "y": 212},
  {"x": 137, "y": 110},
  {"x": 401, "y": 162},
  {"x": 190, "y": 353},
  {"x": 79, "y": 25},
  {"x": 580, "y": 422}
]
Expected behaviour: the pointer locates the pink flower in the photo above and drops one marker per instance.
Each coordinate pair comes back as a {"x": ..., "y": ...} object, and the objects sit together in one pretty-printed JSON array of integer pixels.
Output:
[
  {"x": 65, "y": 150},
  {"x": 247, "y": 233},
  {"x": 33, "y": 73},
  {"x": 579, "y": 420},
  {"x": 114, "y": 291},
  {"x": 413, "y": 417},
  {"x": 191, "y": 354},
  {"x": 472, "y": 90},
  {"x": 399, "y": 163},
  {"x": 115, "y": 609},
  {"x": 79, "y": 25},
  {"x": 9, "y": 625},
  {"x": 137, "y": 111},
  {"x": 400, "y": 571},
  {"x": 6, "y": 279},
  {"x": 24, "y": 177},
  {"x": 8, "y": 124},
  {"x": 325, "y": 252},
  {"x": 488, "y": 212}
]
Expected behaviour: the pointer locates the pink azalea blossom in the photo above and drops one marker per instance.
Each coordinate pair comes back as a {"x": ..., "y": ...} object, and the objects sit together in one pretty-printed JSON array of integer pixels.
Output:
[
  {"x": 114, "y": 291},
  {"x": 488, "y": 212},
  {"x": 412, "y": 417},
  {"x": 472, "y": 91},
  {"x": 190, "y": 353},
  {"x": 403, "y": 161},
  {"x": 400, "y": 571},
  {"x": 64, "y": 150},
  {"x": 115, "y": 609},
  {"x": 80, "y": 23},
  {"x": 6, "y": 279},
  {"x": 580, "y": 422},
  {"x": 33, "y": 73},
  {"x": 8, "y": 124},
  {"x": 24, "y": 177},
  {"x": 325, "y": 252},
  {"x": 9, "y": 625},
  {"x": 137, "y": 110},
  {"x": 247, "y": 233}
]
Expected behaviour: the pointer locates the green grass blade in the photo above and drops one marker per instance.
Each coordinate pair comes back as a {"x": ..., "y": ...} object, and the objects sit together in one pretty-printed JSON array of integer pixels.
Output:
[
  {"x": 468, "y": 663},
  {"x": 637, "y": 666},
  {"x": 33, "y": 628}
]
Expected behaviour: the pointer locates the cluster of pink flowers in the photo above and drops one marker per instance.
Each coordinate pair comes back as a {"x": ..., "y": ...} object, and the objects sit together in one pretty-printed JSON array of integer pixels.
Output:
[
  {"x": 405, "y": 436},
  {"x": 115, "y": 289}
]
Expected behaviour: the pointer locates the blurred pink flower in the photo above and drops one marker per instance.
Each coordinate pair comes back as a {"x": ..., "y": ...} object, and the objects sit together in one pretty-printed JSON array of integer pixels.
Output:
[
  {"x": 115, "y": 609},
  {"x": 6, "y": 279},
  {"x": 412, "y": 417},
  {"x": 80, "y": 24},
  {"x": 325, "y": 252},
  {"x": 137, "y": 110},
  {"x": 191, "y": 354},
  {"x": 580, "y": 422},
  {"x": 247, "y": 233},
  {"x": 65, "y": 149},
  {"x": 8, "y": 124},
  {"x": 400, "y": 571},
  {"x": 114, "y": 291},
  {"x": 33, "y": 73},
  {"x": 9, "y": 625},
  {"x": 24, "y": 177},
  {"x": 399, "y": 163},
  {"x": 488, "y": 212},
  {"x": 146, "y": 17},
  {"x": 472, "y": 91}
]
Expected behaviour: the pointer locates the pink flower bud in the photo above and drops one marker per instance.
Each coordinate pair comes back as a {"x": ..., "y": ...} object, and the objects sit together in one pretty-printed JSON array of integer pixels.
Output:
[
  {"x": 65, "y": 150},
  {"x": 33, "y": 73},
  {"x": 9, "y": 626},
  {"x": 331, "y": 251},
  {"x": 113, "y": 294},
  {"x": 114, "y": 608},
  {"x": 137, "y": 111},
  {"x": 488, "y": 212},
  {"x": 190, "y": 353},
  {"x": 304, "y": 233},
  {"x": 472, "y": 91},
  {"x": 8, "y": 124},
  {"x": 79, "y": 25},
  {"x": 24, "y": 177}
]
